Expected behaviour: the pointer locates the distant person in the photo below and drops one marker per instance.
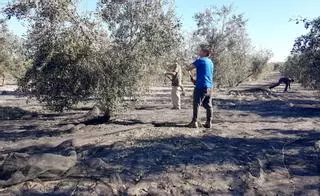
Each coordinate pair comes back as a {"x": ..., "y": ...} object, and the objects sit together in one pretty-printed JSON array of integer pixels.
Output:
[
  {"x": 203, "y": 87},
  {"x": 284, "y": 80},
  {"x": 176, "y": 82}
]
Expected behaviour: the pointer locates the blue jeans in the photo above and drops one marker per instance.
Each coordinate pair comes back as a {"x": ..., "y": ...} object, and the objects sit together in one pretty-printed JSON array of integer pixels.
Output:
[{"x": 202, "y": 97}]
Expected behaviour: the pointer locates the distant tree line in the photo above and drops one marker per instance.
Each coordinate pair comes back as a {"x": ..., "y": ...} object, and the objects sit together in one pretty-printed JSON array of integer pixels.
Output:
[
  {"x": 12, "y": 61},
  {"x": 304, "y": 62}
]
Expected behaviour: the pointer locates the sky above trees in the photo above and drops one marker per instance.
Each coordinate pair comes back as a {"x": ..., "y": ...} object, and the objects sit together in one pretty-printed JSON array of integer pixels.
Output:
[{"x": 268, "y": 24}]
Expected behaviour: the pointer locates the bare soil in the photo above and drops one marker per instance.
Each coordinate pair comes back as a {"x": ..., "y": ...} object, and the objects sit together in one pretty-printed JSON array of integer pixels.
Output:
[{"x": 259, "y": 145}]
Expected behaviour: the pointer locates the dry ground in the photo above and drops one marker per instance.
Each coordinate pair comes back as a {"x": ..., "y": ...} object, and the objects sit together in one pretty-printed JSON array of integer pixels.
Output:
[{"x": 259, "y": 145}]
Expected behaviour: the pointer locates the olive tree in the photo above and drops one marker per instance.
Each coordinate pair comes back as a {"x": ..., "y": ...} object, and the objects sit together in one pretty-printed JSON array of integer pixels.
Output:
[
  {"x": 143, "y": 36},
  {"x": 60, "y": 47},
  {"x": 224, "y": 32},
  {"x": 107, "y": 57},
  {"x": 304, "y": 62}
]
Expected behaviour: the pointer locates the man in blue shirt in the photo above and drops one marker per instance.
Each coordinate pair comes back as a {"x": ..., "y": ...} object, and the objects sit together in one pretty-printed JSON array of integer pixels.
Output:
[{"x": 203, "y": 87}]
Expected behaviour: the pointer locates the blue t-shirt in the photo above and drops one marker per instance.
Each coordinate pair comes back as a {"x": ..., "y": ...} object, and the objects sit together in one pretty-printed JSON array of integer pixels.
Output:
[{"x": 205, "y": 71}]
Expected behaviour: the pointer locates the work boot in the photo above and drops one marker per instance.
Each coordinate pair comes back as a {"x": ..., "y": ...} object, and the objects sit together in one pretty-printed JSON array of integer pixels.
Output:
[
  {"x": 208, "y": 125},
  {"x": 193, "y": 124}
]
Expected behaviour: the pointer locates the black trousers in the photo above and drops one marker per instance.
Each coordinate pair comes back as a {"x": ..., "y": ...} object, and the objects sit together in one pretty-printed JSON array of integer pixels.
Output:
[
  {"x": 278, "y": 84},
  {"x": 202, "y": 97}
]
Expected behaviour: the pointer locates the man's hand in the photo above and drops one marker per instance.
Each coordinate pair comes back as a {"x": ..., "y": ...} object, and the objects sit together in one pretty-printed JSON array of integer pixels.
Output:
[{"x": 209, "y": 92}]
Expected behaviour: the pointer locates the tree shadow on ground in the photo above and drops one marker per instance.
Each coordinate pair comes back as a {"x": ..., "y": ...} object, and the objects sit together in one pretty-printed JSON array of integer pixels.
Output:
[
  {"x": 42, "y": 149},
  {"x": 157, "y": 155},
  {"x": 30, "y": 133},
  {"x": 127, "y": 122},
  {"x": 151, "y": 108},
  {"x": 103, "y": 120},
  {"x": 154, "y": 156},
  {"x": 33, "y": 193},
  {"x": 11, "y": 93},
  {"x": 55, "y": 115},
  {"x": 169, "y": 124},
  {"x": 15, "y": 113},
  {"x": 273, "y": 108},
  {"x": 143, "y": 159},
  {"x": 304, "y": 144},
  {"x": 97, "y": 120},
  {"x": 300, "y": 133}
]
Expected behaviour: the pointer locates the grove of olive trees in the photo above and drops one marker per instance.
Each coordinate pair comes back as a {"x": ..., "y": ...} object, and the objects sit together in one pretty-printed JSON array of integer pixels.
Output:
[{"x": 122, "y": 48}]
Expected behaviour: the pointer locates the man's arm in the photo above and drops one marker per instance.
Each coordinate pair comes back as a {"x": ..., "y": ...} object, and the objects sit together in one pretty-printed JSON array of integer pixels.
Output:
[
  {"x": 173, "y": 73},
  {"x": 192, "y": 77},
  {"x": 182, "y": 88},
  {"x": 191, "y": 67},
  {"x": 170, "y": 73}
]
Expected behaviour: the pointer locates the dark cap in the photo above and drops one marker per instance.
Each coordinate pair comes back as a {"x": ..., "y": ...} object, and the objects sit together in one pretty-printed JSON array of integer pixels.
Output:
[{"x": 205, "y": 48}]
